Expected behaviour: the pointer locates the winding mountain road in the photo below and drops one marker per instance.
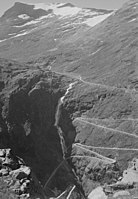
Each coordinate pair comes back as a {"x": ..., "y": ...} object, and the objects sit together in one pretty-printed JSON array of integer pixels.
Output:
[
  {"x": 78, "y": 77},
  {"x": 111, "y": 120},
  {"x": 106, "y": 128},
  {"x": 106, "y": 148},
  {"x": 95, "y": 153}
]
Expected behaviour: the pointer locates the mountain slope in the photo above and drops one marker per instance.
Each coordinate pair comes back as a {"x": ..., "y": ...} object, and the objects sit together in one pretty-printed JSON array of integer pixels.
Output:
[
  {"x": 108, "y": 46},
  {"x": 44, "y": 33},
  {"x": 69, "y": 98}
]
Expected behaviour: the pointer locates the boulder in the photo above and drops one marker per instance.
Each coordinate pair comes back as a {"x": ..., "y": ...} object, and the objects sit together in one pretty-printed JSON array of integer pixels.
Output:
[
  {"x": 2, "y": 152},
  {"x": 21, "y": 173},
  {"x": 11, "y": 163},
  {"x": 4, "y": 172},
  {"x": 97, "y": 193}
]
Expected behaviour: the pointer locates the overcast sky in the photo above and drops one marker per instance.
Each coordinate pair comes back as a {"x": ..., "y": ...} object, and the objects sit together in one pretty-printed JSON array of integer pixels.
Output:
[{"x": 107, "y": 4}]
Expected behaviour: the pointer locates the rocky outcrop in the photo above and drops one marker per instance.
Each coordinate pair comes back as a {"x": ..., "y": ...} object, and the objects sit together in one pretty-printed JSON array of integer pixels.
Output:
[
  {"x": 31, "y": 129},
  {"x": 76, "y": 129},
  {"x": 17, "y": 177},
  {"x": 125, "y": 187}
]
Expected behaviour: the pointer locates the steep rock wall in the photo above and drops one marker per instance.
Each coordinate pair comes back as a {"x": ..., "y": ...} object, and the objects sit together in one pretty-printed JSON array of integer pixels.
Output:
[
  {"x": 45, "y": 112},
  {"x": 29, "y": 108}
]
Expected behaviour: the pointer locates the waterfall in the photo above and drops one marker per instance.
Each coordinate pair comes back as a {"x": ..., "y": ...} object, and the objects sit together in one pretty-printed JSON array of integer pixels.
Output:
[{"x": 57, "y": 117}]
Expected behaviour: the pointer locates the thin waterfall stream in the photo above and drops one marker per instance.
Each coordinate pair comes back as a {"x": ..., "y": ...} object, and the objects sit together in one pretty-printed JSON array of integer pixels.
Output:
[
  {"x": 57, "y": 117},
  {"x": 74, "y": 180}
]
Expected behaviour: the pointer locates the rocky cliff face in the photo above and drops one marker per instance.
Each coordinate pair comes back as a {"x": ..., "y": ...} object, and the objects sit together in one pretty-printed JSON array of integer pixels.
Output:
[
  {"x": 51, "y": 120},
  {"x": 30, "y": 103},
  {"x": 70, "y": 109}
]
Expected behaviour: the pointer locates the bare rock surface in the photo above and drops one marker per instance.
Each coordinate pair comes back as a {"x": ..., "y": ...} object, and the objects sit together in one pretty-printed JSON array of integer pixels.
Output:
[
  {"x": 18, "y": 179},
  {"x": 69, "y": 102}
]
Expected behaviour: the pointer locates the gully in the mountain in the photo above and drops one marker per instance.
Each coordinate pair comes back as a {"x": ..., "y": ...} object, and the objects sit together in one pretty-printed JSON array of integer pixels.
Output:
[
  {"x": 57, "y": 117},
  {"x": 32, "y": 113}
]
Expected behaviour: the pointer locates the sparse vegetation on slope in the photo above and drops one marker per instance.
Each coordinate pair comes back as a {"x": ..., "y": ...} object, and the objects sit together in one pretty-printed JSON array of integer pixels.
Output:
[{"x": 70, "y": 109}]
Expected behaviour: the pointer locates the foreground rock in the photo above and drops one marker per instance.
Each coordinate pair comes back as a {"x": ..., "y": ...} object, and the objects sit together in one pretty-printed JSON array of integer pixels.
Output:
[
  {"x": 98, "y": 193},
  {"x": 71, "y": 114},
  {"x": 16, "y": 179}
]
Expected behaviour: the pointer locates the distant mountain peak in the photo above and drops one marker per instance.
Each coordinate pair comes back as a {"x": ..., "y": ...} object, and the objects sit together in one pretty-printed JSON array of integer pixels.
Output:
[
  {"x": 67, "y": 5},
  {"x": 20, "y": 8},
  {"x": 28, "y": 11},
  {"x": 22, "y": 18}
]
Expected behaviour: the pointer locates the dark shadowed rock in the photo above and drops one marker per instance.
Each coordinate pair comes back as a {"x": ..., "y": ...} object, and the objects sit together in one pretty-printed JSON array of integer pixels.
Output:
[
  {"x": 22, "y": 8},
  {"x": 69, "y": 111},
  {"x": 19, "y": 178}
]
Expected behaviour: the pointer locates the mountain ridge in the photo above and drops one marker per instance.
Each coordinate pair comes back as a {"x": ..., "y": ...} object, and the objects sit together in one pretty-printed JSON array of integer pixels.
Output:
[
  {"x": 69, "y": 100},
  {"x": 22, "y": 7}
]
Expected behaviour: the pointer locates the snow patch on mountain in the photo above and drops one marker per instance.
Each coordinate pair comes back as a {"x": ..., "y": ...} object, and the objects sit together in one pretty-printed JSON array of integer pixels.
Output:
[
  {"x": 23, "y": 16},
  {"x": 28, "y": 23},
  {"x": 12, "y": 34},
  {"x": 21, "y": 34},
  {"x": 87, "y": 12},
  {"x": 95, "y": 20},
  {"x": 34, "y": 21},
  {"x": 132, "y": 20},
  {"x": 24, "y": 33},
  {"x": 3, "y": 40},
  {"x": 58, "y": 10},
  {"x": 46, "y": 17},
  {"x": 67, "y": 11}
]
